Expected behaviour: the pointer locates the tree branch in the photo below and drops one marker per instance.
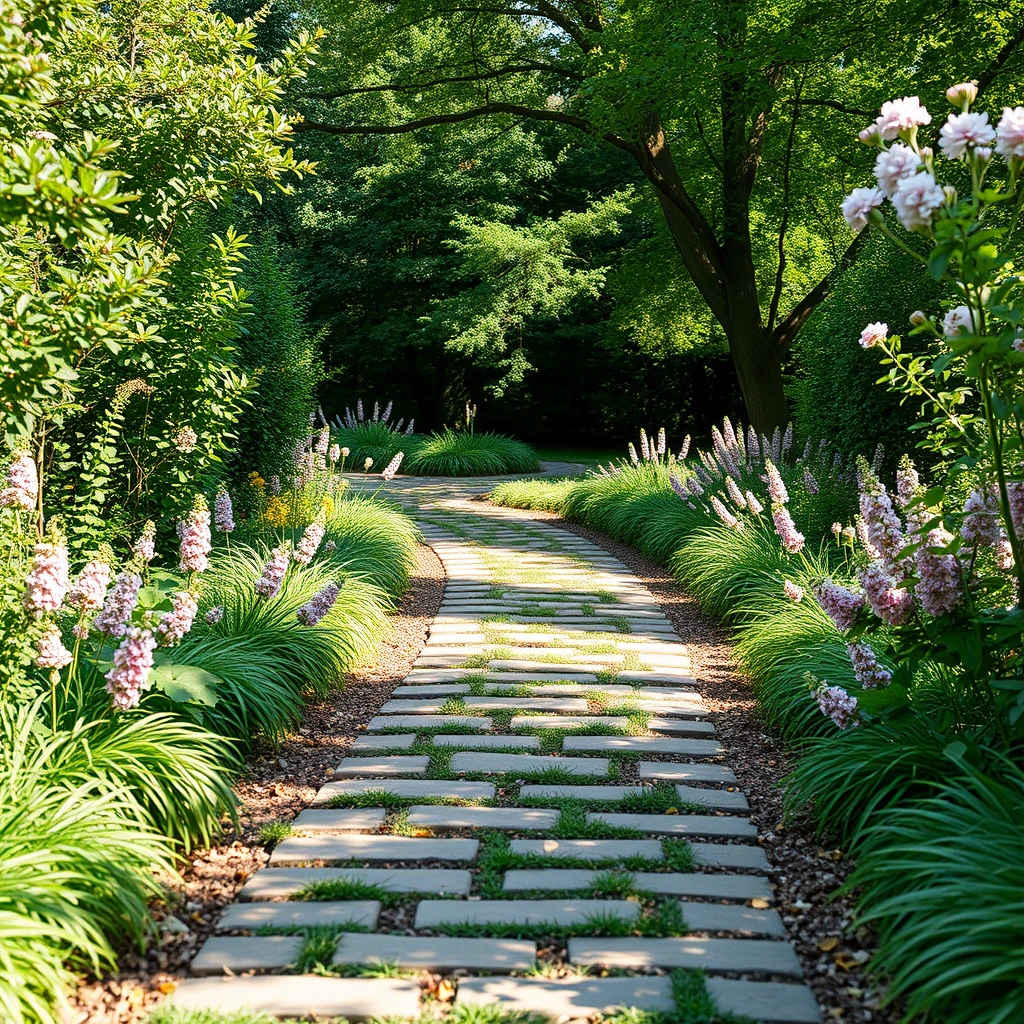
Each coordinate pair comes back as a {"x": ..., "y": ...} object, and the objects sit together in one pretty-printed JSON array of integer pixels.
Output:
[
  {"x": 986, "y": 78},
  {"x": 773, "y": 307},
  {"x": 833, "y": 105}
]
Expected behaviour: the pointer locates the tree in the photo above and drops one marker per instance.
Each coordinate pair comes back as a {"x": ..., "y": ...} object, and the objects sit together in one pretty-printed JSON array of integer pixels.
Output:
[{"x": 729, "y": 109}]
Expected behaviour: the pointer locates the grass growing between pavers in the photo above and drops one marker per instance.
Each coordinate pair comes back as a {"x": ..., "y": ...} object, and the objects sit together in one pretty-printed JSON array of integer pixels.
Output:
[
  {"x": 346, "y": 889},
  {"x": 573, "y": 824},
  {"x": 661, "y": 798},
  {"x": 382, "y": 798},
  {"x": 272, "y": 832}
]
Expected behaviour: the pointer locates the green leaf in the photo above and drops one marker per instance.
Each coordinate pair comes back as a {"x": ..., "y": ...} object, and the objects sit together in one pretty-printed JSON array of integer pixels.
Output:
[{"x": 184, "y": 684}]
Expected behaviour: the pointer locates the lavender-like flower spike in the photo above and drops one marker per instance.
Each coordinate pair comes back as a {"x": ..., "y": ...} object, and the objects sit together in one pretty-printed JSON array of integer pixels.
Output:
[
  {"x": 214, "y": 615},
  {"x": 838, "y": 603},
  {"x": 90, "y": 588},
  {"x": 939, "y": 587},
  {"x": 398, "y": 426},
  {"x": 662, "y": 444},
  {"x": 22, "y": 488},
  {"x": 776, "y": 488},
  {"x": 175, "y": 624},
  {"x": 981, "y": 519},
  {"x": 359, "y": 410},
  {"x": 792, "y": 591},
  {"x": 753, "y": 447},
  {"x": 678, "y": 486},
  {"x": 735, "y": 494},
  {"x": 645, "y": 450},
  {"x": 194, "y": 533},
  {"x": 223, "y": 512},
  {"x": 907, "y": 482},
  {"x": 685, "y": 450},
  {"x": 310, "y": 542},
  {"x": 120, "y": 603},
  {"x": 866, "y": 668},
  {"x": 145, "y": 546},
  {"x": 724, "y": 514},
  {"x": 409, "y": 429},
  {"x": 274, "y": 571},
  {"x": 787, "y": 439},
  {"x": 836, "y": 704},
  {"x": 753, "y": 504},
  {"x": 807, "y": 450},
  {"x": 732, "y": 444},
  {"x": 792, "y": 539},
  {"x": 389, "y": 471},
  {"x": 386, "y": 414},
  {"x": 810, "y": 483},
  {"x": 333, "y": 453},
  {"x": 318, "y": 605},
  {"x": 722, "y": 453},
  {"x": 776, "y": 445},
  {"x": 884, "y": 529},
  {"x": 274, "y": 484},
  {"x": 876, "y": 461},
  {"x": 376, "y": 411},
  {"x": 132, "y": 662},
  {"x": 633, "y": 457},
  {"x": 47, "y": 581},
  {"x": 892, "y": 604},
  {"x": 50, "y": 650}
]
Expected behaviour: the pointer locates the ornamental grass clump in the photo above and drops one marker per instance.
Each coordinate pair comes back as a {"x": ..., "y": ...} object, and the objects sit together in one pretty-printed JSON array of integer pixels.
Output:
[
  {"x": 359, "y": 436},
  {"x": 459, "y": 453}
]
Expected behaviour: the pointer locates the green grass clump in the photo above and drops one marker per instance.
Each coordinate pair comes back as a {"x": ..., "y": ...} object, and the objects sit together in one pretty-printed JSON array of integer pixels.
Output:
[
  {"x": 455, "y": 453},
  {"x": 542, "y": 495},
  {"x": 272, "y": 832},
  {"x": 369, "y": 440}
]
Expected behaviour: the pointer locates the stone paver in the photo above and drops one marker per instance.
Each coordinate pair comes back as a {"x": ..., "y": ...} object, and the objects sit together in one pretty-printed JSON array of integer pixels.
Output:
[
  {"x": 567, "y": 722},
  {"x": 225, "y": 954},
  {"x": 650, "y": 744},
  {"x": 382, "y": 742},
  {"x": 432, "y": 913},
  {"x": 407, "y": 787},
  {"x": 570, "y": 999},
  {"x": 701, "y": 885},
  {"x": 770, "y": 1002},
  {"x": 739, "y": 955},
  {"x": 298, "y": 914},
  {"x": 466, "y": 723},
  {"x": 680, "y": 824},
  {"x": 590, "y": 849},
  {"x": 729, "y": 855},
  {"x": 447, "y": 739},
  {"x": 357, "y": 819},
  {"x": 441, "y": 954},
  {"x": 400, "y": 764},
  {"x": 714, "y": 799},
  {"x": 282, "y": 883},
  {"x": 526, "y": 819},
  {"x": 302, "y": 849},
  {"x": 528, "y": 763},
  {"x": 671, "y": 771},
  {"x": 548, "y": 791},
  {"x": 560, "y": 704}
]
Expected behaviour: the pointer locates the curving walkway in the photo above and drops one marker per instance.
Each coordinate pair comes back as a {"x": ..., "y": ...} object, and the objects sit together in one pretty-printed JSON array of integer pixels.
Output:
[{"x": 540, "y": 817}]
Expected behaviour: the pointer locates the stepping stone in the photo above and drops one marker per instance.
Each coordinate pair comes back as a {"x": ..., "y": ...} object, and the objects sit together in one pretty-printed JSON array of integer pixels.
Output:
[
  {"x": 447, "y": 675},
  {"x": 407, "y": 787},
  {"x": 574, "y": 999},
  {"x": 302, "y": 914},
  {"x": 383, "y": 742},
  {"x": 422, "y": 706},
  {"x": 398, "y": 765},
  {"x": 225, "y": 954},
  {"x": 550, "y": 791},
  {"x": 713, "y": 917},
  {"x": 524, "y": 819},
  {"x": 447, "y": 739},
  {"x": 567, "y": 704},
  {"x": 662, "y": 675},
  {"x": 729, "y": 855},
  {"x": 714, "y": 799},
  {"x": 549, "y": 667},
  {"x": 694, "y": 884},
  {"x": 678, "y": 824},
  {"x": 430, "y": 690},
  {"x": 679, "y": 726},
  {"x": 527, "y": 763},
  {"x": 770, "y": 1002},
  {"x": 570, "y": 676},
  {"x": 299, "y": 849},
  {"x": 567, "y": 721},
  {"x": 470, "y": 723},
  {"x": 590, "y": 849},
  {"x": 651, "y": 744},
  {"x": 431, "y": 913},
  {"x": 284, "y": 995},
  {"x": 355, "y": 819},
  {"x": 734, "y": 955},
  {"x": 672, "y": 771},
  {"x": 572, "y": 690},
  {"x": 442, "y": 954}
]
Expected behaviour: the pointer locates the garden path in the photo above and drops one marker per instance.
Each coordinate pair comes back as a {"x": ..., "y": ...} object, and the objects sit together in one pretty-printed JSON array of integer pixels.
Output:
[{"x": 541, "y": 817}]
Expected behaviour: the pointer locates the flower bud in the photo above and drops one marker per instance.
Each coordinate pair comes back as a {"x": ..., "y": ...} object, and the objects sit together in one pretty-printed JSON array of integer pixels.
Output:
[
  {"x": 950, "y": 193},
  {"x": 918, "y": 317},
  {"x": 871, "y": 136},
  {"x": 963, "y": 94},
  {"x": 983, "y": 153}
]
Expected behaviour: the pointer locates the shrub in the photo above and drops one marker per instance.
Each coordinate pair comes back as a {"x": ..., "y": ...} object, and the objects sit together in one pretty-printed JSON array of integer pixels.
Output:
[
  {"x": 374, "y": 437},
  {"x": 456, "y": 453}
]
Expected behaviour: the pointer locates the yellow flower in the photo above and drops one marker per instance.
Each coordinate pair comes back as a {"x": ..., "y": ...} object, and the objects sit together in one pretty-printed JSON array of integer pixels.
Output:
[
  {"x": 255, "y": 480},
  {"x": 277, "y": 512},
  {"x": 327, "y": 505}
]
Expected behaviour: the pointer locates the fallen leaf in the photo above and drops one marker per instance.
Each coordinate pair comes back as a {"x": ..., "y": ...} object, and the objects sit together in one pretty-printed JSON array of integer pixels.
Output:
[
  {"x": 420, "y": 833},
  {"x": 759, "y": 904},
  {"x": 827, "y": 945},
  {"x": 136, "y": 997},
  {"x": 445, "y": 991},
  {"x": 672, "y": 810},
  {"x": 167, "y": 987},
  {"x": 845, "y": 961}
]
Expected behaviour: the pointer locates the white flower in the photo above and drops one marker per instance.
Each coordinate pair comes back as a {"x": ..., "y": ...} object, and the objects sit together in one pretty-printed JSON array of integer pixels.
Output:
[
  {"x": 1010, "y": 133},
  {"x": 956, "y": 321},
  {"x": 873, "y": 334},
  {"x": 918, "y": 317},
  {"x": 963, "y": 94},
  {"x": 901, "y": 115},
  {"x": 872, "y": 135},
  {"x": 962, "y": 131},
  {"x": 857, "y": 206},
  {"x": 893, "y": 165},
  {"x": 916, "y": 200}
]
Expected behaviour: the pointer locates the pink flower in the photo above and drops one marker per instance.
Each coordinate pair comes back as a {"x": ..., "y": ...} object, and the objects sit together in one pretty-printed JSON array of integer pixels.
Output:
[
  {"x": 318, "y": 605},
  {"x": 810, "y": 483},
  {"x": 273, "y": 572},
  {"x": 869, "y": 673},
  {"x": 735, "y": 494},
  {"x": 892, "y": 604},
  {"x": 120, "y": 603},
  {"x": 837, "y": 531},
  {"x": 333, "y": 453},
  {"x": 309, "y": 543},
  {"x": 633, "y": 457},
  {"x": 185, "y": 439},
  {"x": 50, "y": 650},
  {"x": 1015, "y": 492},
  {"x": 777, "y": 492},
  {"x": 47, "y": 581},
  {"x": 1010, "y": 134},
  {"x": 389, "y": 471},
  {"x": 838, "y": 603},
  {"x": 939, "y": 587},
  {"x": 753, "y": 448},
  {"x": 322, "y": 441},
  {"x": 859, "y": 204},
  {"x": 194, "y": 533},
  {"x": 274, "y": 484},
  {"x": 957, "y": 321},
  {"x": 885, "y": 538},
  {"x": 916, "y": 200},
  {"x": 907, "y": 481},
  {"x": 902, "y": 115},
  {"x": 874, "y": 334},
  {"x": 723, "y": 454},
  {"x": 724, "y": 514},
  {"x": 753, "y": 504},
  {"x": 145, "y": 546},
  {"x": 965, "y": 131},
  {"x": 132, "y": 662},
  {"x": 792, "y": 539},
  {"x": 214, "y": 615},
  {"x": 22, "y": 488},
  {"x": 981, "y": 519},
  {"x": 91, "y": 586},
  {"x": 963, "y": 94},
  {"x": 662, "y": 444},
  {"x": 792, "y": 591},
  {"x": 837, "y": 704},
  {"x": 223, "y": 512},
  {"x": 176, "y": 623}
]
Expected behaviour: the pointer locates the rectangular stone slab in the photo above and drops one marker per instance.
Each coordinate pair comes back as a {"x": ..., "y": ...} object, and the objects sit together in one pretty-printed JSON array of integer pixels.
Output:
[
  {"x": 680, "y": 824},
  {"x": 674, "y": 771},
  {"x": 662, "y": 675},
  {"x": 486, "y": 762},
  {"x": 365, "y": 742},
  {"x": 714, "y": 799},
  {"x": 469, "y": 723},
  {"x": 284, "y": 995},
  {"x": 449, "y": 739},
  {"x": 444, "y": 675},
  {"x": 341, "y": 819},
  {"x": 430, "y": 690},
  {"x": 437, "y": 954},
  {"x": 707, "y": 885},
  {"x": 567, "y": 721},
  {"x": 570, "y": 675},
  {"x": 527, "y": 819},
  {"x": 280, "y": 883},
  {"x": 431, "y": 913},
  {"x": 590, "y": 849},
  {"x": 566, "y": 704},
  {"x": 714, "y": 917},
  {"x": 301, "y": 914},
  {"x": 730, "y": 855},
  {"x": 407, "y": 787},
  {"x": 552, "y": 668},
  {"x": 299, "y": 849},
  {"x": 573, "y": 999},
  {"x": 739, "y": 955},
  {"x": 226, "y": 953},
  {"x": 420, "y": 706},
  {"x": 771, "y": 1002},
  {"x": 651, "y": 744},
  {"x": 676, "y": 724},
  {"x": 547, "y": 791},
  {"x": 396, "y": 765}
]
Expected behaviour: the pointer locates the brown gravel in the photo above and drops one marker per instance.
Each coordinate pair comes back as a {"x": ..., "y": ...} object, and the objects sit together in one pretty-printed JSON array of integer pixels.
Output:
[
  {"x": 805, "y": 874},
  {"x": 277, "y": 783}
]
